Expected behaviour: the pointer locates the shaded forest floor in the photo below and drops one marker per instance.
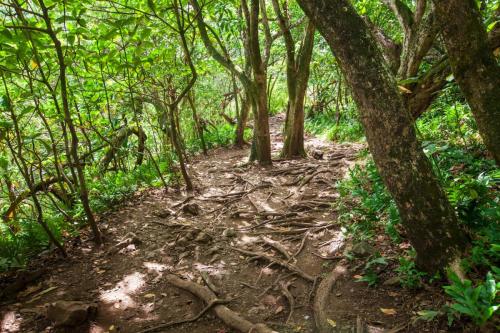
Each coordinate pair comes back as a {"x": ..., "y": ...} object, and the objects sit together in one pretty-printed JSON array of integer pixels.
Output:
[{"x": 282, "y": 214}]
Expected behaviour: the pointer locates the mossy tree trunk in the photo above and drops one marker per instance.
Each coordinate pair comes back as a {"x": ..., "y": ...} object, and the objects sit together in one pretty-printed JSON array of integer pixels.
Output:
[
  {"x": 425, "y": 212},
  {"x": 297, "y": 76},
  {"x": 474, "y": 66}
]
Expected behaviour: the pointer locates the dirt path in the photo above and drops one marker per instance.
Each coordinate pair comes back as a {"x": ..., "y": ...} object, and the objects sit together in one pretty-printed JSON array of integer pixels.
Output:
[{"x": 283, "y": 212}]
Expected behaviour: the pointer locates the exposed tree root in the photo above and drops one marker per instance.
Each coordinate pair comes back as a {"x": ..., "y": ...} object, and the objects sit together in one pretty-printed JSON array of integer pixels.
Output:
[
  {"x": 277, "y": 246},
  {"x": 212, "y": 303},
  {"x": 321, "y": 299},
  {"x": 290, "y": 267},
  {"x": 229, "y": 317},
  {"x": 291, "y": 302}
]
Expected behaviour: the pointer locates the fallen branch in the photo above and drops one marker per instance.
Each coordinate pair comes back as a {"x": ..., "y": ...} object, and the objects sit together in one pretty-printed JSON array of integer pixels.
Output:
[
  {"x": 321, "y": 299},
  {"x": 229, "y": 317}
]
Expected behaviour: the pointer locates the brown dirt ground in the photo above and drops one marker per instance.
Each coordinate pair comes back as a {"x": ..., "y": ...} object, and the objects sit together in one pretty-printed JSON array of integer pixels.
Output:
[{"x": 128, "y": 284}]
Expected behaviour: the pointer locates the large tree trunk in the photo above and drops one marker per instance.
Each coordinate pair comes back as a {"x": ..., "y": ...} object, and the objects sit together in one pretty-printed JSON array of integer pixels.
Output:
[
  {"x": 473, "y": 65},
  {"x": 425, "y": 212}
]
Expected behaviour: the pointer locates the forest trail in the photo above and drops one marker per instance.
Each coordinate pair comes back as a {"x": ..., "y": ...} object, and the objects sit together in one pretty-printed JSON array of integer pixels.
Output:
[{"x": 282, "y": 213}]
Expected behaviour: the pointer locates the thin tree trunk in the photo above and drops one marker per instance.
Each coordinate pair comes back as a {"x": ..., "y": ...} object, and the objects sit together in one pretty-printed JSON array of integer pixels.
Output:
[
  {"x": 74, "y": 137},
  {"x": 241, "y": 124},
  {"x": 197, "y": 125},
  {"x": 425, "y": 212}
]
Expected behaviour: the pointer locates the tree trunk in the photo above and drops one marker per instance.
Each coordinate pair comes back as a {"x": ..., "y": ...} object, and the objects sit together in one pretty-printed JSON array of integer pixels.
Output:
[
  {"x": 473, "y": 65},
  {"x": 259, "y": 91},
  {"x": 239, "y": 140},
  {"x": 73, "y": 151},
  {"x": 256, "y": 87},
  {"x": 425, "y": 212},
  {"x": 297, "y": 78},
  {"x": 197, "y": 125}
]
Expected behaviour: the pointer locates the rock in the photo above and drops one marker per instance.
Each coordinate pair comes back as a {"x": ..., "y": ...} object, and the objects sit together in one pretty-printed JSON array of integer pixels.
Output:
[
  {"x": 393, "y": 281},
  {"x": 203, "y": 238},
  {"x": 164, "y": 213},
  {"x": 317, "y": 154},
  {"x": 229, "y": 233},
  {"x": 363, "y": 249},
  {"x": 70, "y": 313},
  {"x": 191, "y": 208}
]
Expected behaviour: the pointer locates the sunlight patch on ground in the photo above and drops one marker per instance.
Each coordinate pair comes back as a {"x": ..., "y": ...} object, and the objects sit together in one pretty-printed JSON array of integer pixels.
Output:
[
  {"x": 121, "y": 295},
  {"x": 334, "y": 245},
  {"x": 244, "y": 239},
  {"x": 156, "y": 267},
  {"x": 10, "y": 323},
  {"x": 215, "y": 270}
]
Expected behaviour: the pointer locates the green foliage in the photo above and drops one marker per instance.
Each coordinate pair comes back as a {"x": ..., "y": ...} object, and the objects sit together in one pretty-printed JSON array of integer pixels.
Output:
[
  {"x": 478, "y": 303},
  {"x": 409, "y": 276},
  {"x": 367, "y": 205},
  {"x": 371, "y": 271},
  {"x": 326, "y": 126}
]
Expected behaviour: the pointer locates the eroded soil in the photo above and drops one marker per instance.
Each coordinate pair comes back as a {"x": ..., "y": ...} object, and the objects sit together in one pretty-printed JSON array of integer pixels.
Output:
[{"x": 284, "y": 212}]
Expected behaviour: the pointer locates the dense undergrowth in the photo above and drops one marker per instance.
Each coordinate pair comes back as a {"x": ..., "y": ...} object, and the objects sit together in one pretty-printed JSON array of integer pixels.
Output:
[{"x": 472, "y": 182}]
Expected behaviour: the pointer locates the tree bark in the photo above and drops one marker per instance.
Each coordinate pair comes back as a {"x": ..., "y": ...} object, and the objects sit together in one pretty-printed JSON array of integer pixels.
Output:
[
  {"x": 297, "y": 76},
  {"x": 474, "y": 66},
  {"x": 258, "y": 92},
  {"x": 425, "y": 212}
]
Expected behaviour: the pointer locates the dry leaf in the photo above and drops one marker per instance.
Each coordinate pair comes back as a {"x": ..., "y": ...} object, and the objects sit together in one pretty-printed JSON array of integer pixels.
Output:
[
  {"x": 404, "y": 90},
  {"x": 357, "y": 277},
  {"x": 149, "y": 296},
  {"x": 389, "y": 312},
  {"x": 331, "y": 322}
]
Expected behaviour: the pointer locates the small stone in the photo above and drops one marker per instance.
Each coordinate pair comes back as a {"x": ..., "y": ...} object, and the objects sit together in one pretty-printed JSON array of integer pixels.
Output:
[
  {"x": 163, "y": 213},
  {"x": 229, "y": 233},
  {"x": 317, "y": 154},
  {"x": 191, "y": 208},
  {"x": 393, "y": 281}
]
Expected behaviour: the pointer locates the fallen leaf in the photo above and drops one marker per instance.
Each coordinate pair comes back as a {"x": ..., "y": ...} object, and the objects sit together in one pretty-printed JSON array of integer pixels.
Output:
[
  {"x": 357, "y": 277},
  {"x": 389, "y": 312},
  {"x": 331, "y": 322},
  {"x": 404, "y": 90},
  {"x": 149, "y": 296}
]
